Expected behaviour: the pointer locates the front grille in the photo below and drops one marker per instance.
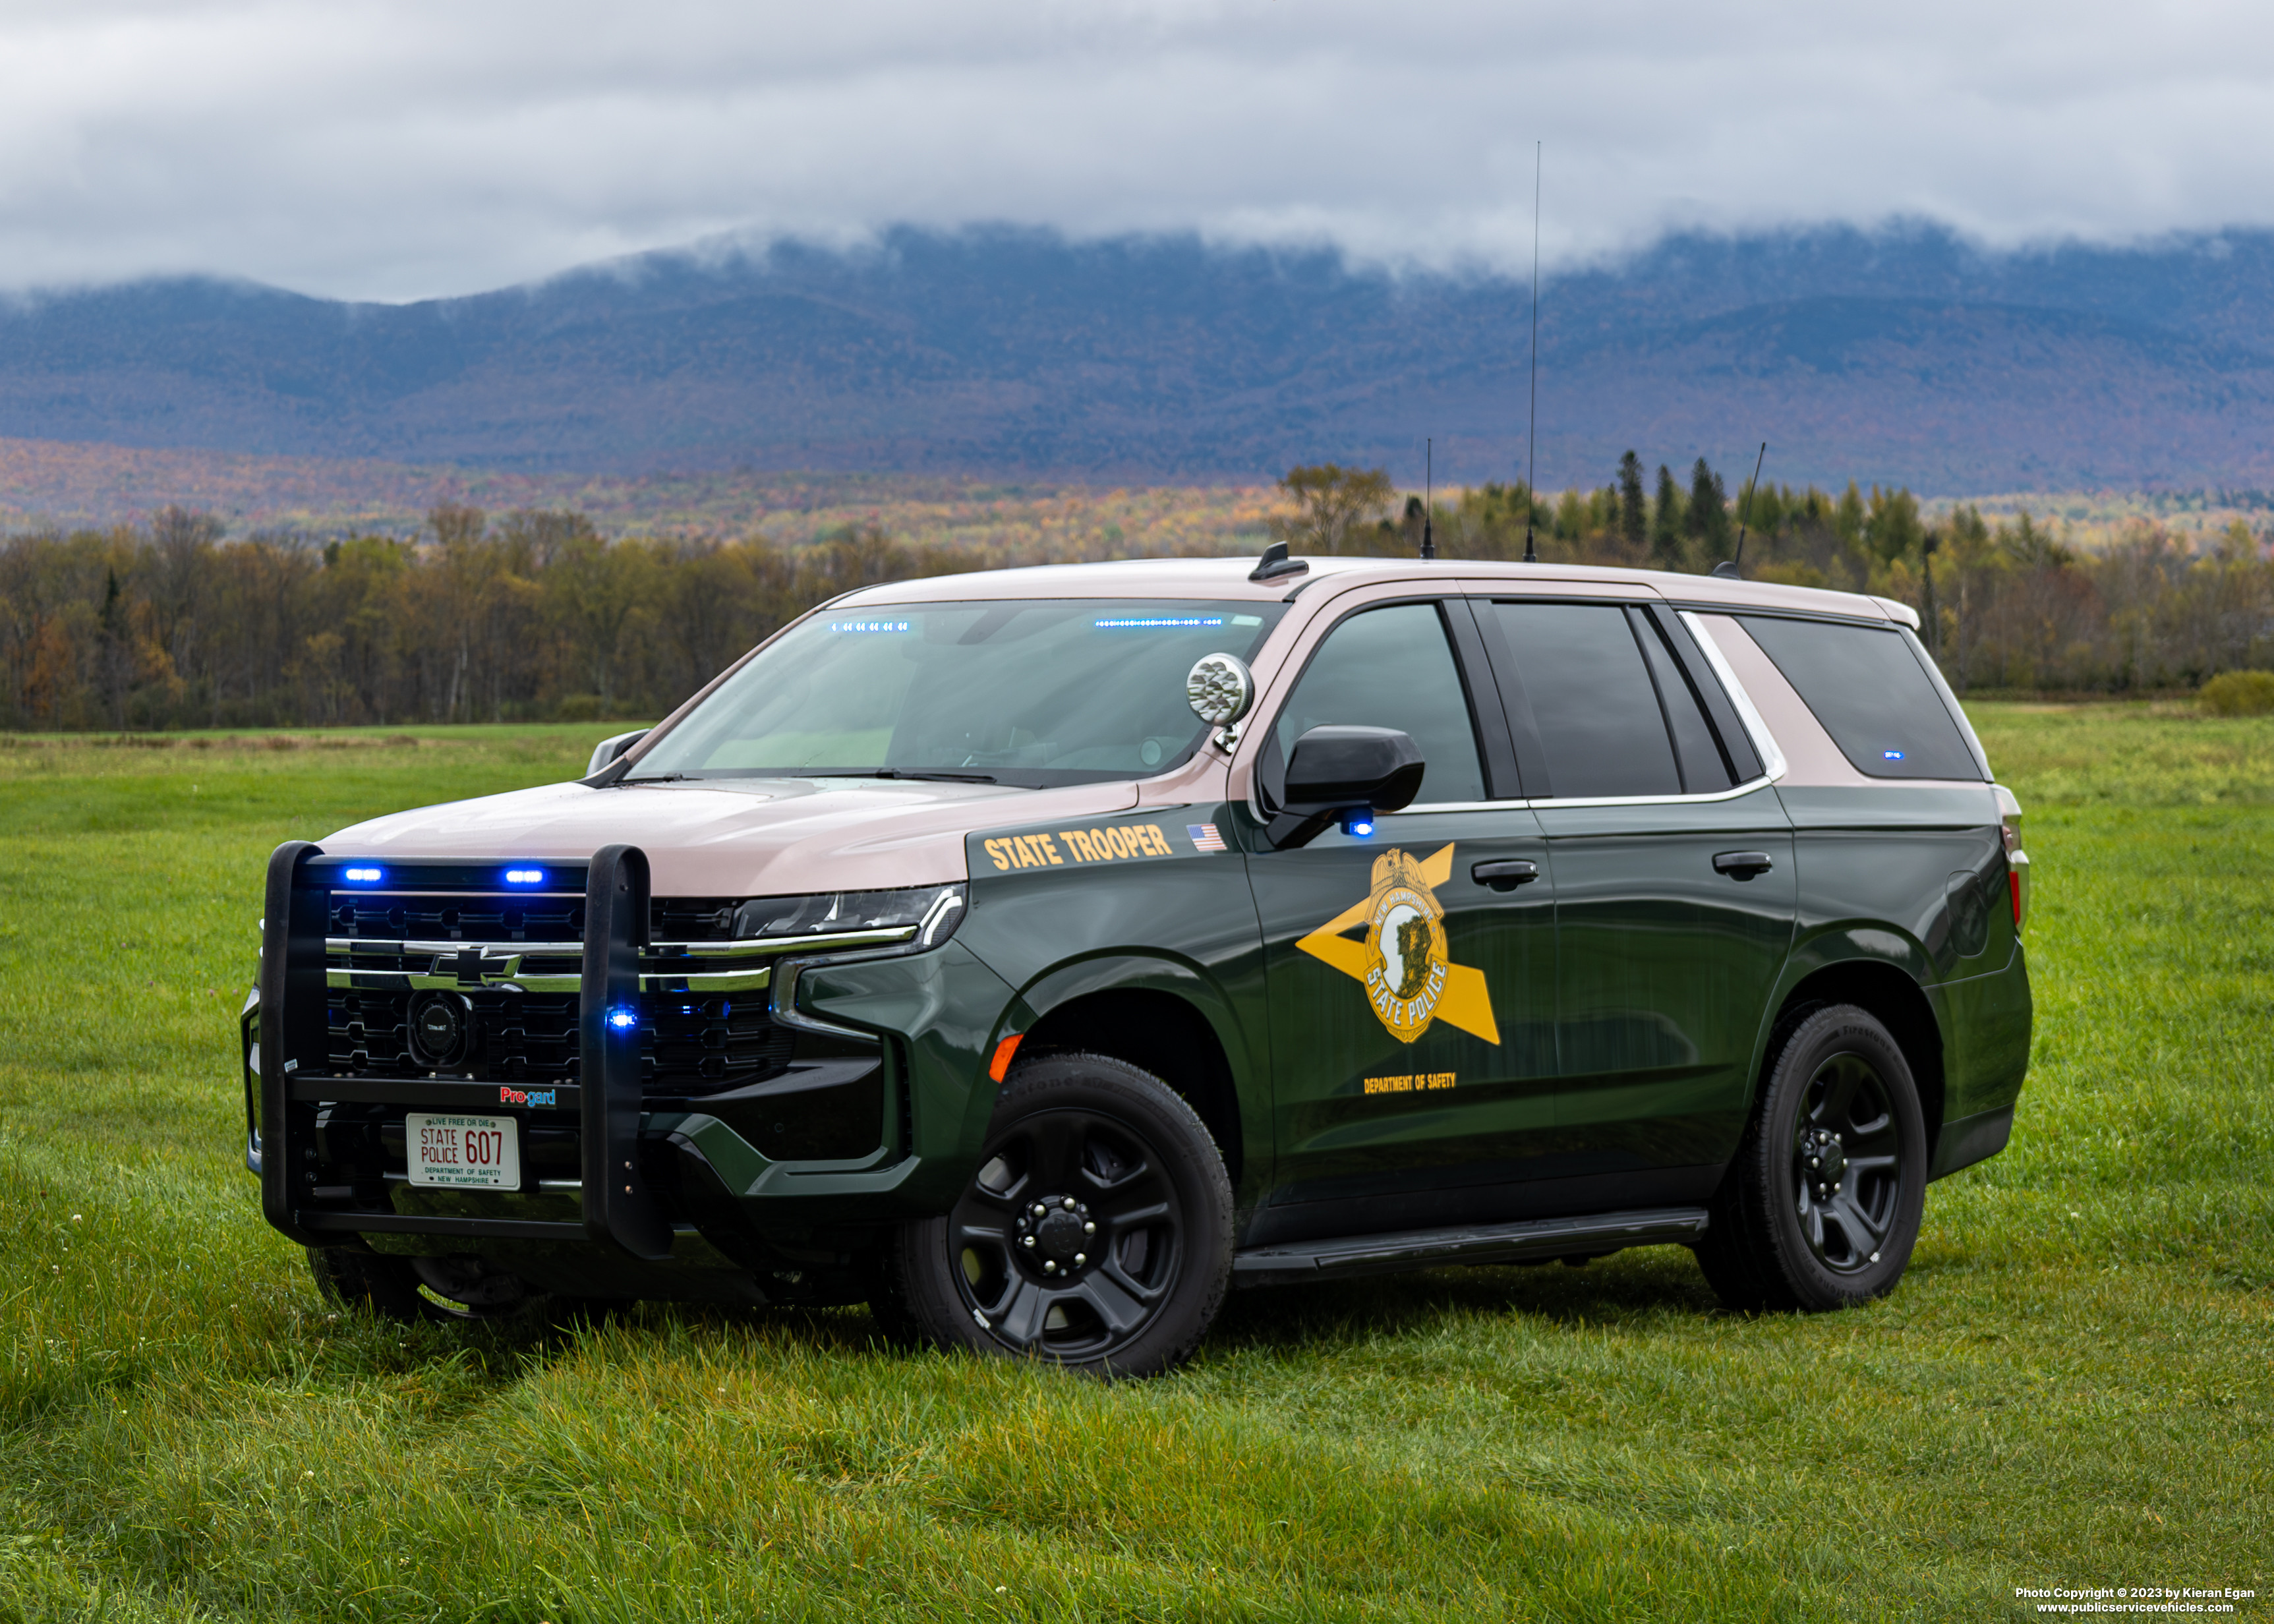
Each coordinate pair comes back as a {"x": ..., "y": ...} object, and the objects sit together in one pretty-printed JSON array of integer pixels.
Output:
[
  {"x": 546, "y": 917},
  {"x": 505, "y": 969},
  {"x": 514, "y": 1040}
]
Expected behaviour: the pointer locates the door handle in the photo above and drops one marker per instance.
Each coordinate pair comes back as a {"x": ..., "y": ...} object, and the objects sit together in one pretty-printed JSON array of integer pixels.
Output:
[
  {"x": 1505, "y": 875},
  {"x": 1742, "y": 865}
]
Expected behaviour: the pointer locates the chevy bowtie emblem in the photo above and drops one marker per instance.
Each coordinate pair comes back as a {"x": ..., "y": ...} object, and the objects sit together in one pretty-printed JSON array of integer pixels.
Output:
[{"x": 1410, "y": 980}]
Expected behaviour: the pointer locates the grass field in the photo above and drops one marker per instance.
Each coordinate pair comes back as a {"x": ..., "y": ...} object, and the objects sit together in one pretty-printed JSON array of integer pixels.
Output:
[{"x": 2071, "y": 1388}]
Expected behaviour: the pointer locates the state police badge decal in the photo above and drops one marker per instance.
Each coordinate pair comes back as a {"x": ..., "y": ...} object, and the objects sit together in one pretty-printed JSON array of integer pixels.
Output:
[{"x": 1406, "y": 963}]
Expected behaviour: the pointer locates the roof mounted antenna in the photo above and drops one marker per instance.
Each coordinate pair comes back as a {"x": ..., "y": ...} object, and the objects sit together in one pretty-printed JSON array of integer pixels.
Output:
[
  {"x": 1429, "y": 495},
  {"x": 1727, "y": 568},
  {"x": 1275, "y": 563},
  {"x": 1532, "y": 426}
]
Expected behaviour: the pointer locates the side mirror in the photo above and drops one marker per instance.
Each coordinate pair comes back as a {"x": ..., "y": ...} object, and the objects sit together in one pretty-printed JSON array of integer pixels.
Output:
[
  {"x": 610, "y": 749},
  {"x": 1345, "y": 773}
]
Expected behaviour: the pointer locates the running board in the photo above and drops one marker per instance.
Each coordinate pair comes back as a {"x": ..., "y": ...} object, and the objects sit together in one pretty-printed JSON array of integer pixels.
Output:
[{"x": 1536, "y": 1239}]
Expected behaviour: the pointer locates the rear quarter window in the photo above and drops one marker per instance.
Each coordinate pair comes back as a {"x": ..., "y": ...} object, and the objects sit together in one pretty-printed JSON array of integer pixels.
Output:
[{"x": 1867, "y": 687}]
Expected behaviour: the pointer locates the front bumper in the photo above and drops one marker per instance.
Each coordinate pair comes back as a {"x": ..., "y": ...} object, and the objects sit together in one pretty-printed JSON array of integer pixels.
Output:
[{"x": 610, "y": 1170}]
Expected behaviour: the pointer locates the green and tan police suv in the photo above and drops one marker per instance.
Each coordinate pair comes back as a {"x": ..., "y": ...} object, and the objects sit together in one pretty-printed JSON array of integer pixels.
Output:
[{"x": 1037, "y": 954}]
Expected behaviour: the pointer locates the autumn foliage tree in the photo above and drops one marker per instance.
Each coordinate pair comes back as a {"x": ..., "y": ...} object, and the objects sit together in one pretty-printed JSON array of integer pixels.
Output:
[{"x": 1338, "y": 510}]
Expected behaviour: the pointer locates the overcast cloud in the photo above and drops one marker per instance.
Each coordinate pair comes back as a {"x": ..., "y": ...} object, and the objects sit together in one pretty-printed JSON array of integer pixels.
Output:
[{"x": 400, "y": 148}]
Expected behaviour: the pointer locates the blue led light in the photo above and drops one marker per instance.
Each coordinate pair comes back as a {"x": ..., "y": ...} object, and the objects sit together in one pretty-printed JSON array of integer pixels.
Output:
[
  {"x": 525, "y": 877},
  {"x": 623, "y": 1020},
  {"x": 1359, "y": 824},
  {"x": 1149, "y": 622},
  {"x": 1891, "y": 754},
  {"x": 363, "y": 876}
]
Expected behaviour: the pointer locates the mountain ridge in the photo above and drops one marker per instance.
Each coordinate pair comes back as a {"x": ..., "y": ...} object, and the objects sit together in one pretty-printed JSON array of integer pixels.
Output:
[{"x": 1905, "y": 355}]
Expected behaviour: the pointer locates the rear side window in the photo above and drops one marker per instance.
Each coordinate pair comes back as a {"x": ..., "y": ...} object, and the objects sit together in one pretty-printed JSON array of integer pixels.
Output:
[
  {"x": 1592, "y": 701},
  {"x": 1872, "y": 696}
]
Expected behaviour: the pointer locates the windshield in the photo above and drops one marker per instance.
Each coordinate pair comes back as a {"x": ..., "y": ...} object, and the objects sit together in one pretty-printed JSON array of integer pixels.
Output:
[{"x": 1033, "y": 692}]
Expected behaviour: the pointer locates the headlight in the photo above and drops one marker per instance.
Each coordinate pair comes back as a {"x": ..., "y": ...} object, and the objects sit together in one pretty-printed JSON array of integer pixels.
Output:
[{"x": 932, "y": 911}]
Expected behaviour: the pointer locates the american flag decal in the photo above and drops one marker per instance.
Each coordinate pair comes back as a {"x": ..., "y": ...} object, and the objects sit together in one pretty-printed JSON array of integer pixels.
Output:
[{"x": 1205, "y": 838}]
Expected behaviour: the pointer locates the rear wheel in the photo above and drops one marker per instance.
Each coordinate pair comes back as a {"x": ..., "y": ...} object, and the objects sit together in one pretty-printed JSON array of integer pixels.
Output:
[
  {"x": 1097, "y": 1232},
  {"x": 1822, "y": 1206},
  {"x": 415, "y": 1290}
]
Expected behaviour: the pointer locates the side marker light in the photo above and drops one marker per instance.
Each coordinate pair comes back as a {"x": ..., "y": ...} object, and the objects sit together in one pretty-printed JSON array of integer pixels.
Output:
[
  {"x": 2013, "y": 881},
  {"x": 1000, "y": 1064}
]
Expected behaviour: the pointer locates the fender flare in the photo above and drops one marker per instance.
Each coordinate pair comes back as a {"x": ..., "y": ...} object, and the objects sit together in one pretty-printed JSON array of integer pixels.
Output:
[
  {"x": 1246, "y": 1054},
  {"x": 1852, "y": 944},
  {"x": 1122, "y": 970}
]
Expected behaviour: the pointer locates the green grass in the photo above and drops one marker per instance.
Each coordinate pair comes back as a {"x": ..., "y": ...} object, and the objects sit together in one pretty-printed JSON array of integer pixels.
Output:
[{"x": 2071, "y": 1388}]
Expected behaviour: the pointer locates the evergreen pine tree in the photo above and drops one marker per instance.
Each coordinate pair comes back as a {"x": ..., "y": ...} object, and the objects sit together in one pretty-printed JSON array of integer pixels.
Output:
[
  {"x": 111, "y": 653},
  {"x": 1634, "y": 518},
  {"x": 1666, "y": 523},
  {"x": 1709, "y": 511},
  {"x": 1930, "y": 612}
]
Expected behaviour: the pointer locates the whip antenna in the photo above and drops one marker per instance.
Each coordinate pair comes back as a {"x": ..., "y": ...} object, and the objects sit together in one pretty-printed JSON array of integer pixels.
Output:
[
  {"x": 1531, "y": 425},
  {"x": 1429, "y": 495},
  {"x": 1729, "y": 566}
]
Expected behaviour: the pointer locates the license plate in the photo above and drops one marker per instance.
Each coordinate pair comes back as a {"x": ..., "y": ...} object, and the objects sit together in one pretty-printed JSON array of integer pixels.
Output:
[{"x": 478, "y": 1152}]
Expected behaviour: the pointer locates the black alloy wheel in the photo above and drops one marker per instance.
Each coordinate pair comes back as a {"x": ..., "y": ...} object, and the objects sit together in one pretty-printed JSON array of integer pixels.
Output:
[
  {"x": 1847, "y": 1162},
  {"x": 1822, "y": 1206},
  {"x": 1097, "y": 1232}
]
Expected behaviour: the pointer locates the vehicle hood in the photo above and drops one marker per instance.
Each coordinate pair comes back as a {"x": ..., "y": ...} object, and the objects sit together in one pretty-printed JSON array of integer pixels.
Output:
[{"x": 736, "y": 838}]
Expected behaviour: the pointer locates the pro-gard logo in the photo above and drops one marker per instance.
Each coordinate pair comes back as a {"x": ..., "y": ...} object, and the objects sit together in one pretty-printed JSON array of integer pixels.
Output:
[{"x": 1405, "y": 962}]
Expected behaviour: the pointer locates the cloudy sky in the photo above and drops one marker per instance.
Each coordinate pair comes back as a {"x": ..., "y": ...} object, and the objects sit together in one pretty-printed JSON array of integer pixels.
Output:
[{"x": 393, "y": 150}]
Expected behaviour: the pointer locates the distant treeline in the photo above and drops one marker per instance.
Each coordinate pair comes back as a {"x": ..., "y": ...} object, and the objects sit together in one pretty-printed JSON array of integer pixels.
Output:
[
  {"x": 2004, "y": 606},
  {"x": 532, "y": 617},
  {"x": 536, "y": 615}
]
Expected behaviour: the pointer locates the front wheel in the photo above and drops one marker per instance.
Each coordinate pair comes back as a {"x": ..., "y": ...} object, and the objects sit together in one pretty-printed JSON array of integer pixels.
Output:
[
  {"x": 1821, "y": 1207},
  {"x": 1095, "y": 1234}
]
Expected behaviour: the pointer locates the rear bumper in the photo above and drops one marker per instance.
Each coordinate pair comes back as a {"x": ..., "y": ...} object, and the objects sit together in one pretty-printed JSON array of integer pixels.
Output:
[
  {"x": 1970, "y": 1140},
  {"x": 606, "y": 1167},
  {"x": 1986, "y": 1021}
]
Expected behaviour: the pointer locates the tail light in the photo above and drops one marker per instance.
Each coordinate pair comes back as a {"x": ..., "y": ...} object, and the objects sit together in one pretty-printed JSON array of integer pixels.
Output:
[{"x": 2017, "y": 860}]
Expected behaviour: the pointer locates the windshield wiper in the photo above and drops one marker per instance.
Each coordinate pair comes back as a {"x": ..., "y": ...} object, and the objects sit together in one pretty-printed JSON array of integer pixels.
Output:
[
  {"x": 662, "y": 777},
  {"x": 895, "y": 772}
]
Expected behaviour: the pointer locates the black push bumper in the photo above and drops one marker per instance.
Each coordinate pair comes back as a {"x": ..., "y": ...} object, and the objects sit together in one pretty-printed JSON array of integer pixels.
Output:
[{"x": 294, "y": 1076}]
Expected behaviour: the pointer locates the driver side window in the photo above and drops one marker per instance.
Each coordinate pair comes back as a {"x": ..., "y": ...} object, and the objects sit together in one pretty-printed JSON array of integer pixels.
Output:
[{"x": 1392, "y": 667}]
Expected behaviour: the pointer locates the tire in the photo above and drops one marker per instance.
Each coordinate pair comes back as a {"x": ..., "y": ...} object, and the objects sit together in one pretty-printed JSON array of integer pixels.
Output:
[
  {"x": 1095, "y": 1234},
  {"x": 1821, "y": 1207},
  {"x": 420, "y": 1290}
]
